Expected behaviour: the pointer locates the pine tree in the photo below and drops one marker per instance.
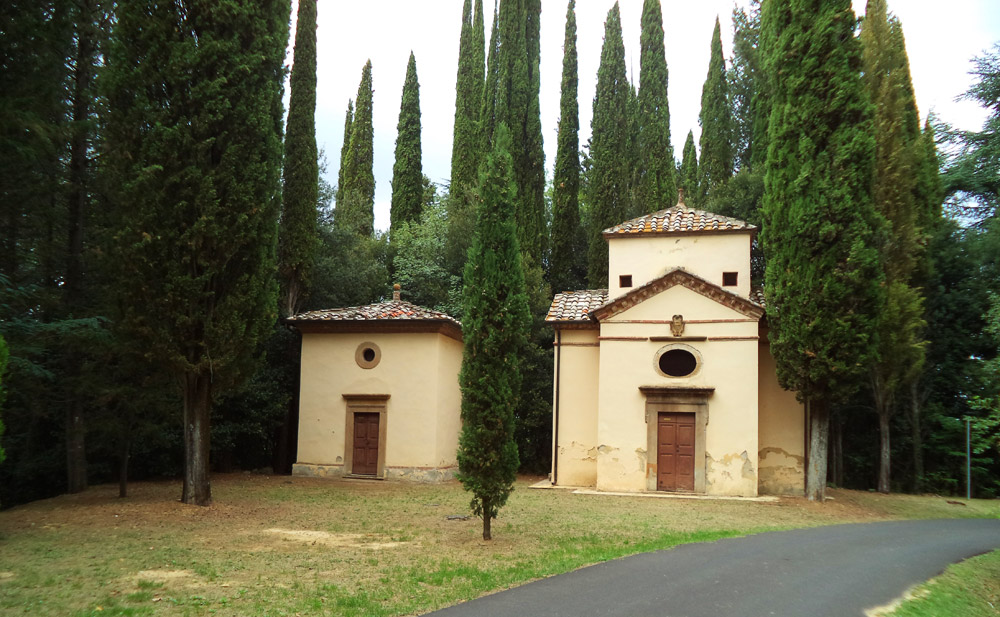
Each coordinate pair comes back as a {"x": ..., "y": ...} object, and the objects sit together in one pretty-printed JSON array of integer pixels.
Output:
[
  {"x": 468, "y": 96},
  {"x": 495, "y": 321},
  {"x": 567, "y": 265},
  {"x": 298, "y": 239},
  {"x": 348, "y": 124},
  {"x": 658, "y": 188},
  {"x": 356, "y": 210},
  {"x": 194, "y": 166},
  {"x": 900, "y": 324},
  {"x": 610, "y": 172},
  {"x": 407, "y": 172},
  {"x": 820, "y": 226},
  {"x": 716, "y": 164},
  {"x": 688, "y": 179}
]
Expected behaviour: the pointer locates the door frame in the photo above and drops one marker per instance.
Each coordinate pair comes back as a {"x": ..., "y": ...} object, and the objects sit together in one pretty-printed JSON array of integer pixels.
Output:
[
  {"x": 676, "y": 400},
  {"x": 365, "y": 403}
]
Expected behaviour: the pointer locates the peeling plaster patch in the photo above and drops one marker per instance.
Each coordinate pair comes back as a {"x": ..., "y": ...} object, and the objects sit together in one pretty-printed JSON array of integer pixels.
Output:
[
  {"x": 417, "y": 474},
  {"x": 640, "y": 454},
  {"x": 605, "y": 449},
  {"x": 725, "y": 474},
  {"x": 781, "y": 473},
  {"x": 340, "y": 460}
]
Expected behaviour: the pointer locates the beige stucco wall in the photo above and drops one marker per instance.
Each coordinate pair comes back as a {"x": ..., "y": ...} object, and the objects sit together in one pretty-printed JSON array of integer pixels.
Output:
[
  {"x": 627, "y": 361},
  {"x": 419, "y": 372},
  {"x": 577, "y": 359},
  {"x": 782, "y": 432},
  {"x": 706, "y": 255}
]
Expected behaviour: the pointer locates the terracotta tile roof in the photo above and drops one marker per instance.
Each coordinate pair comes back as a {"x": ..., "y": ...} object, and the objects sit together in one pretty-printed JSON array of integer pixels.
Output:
[
  {"x": 679, "y": 219},
  {"x": 757, "y": 295},
  {"x": 396, "y": 310},
  {"x": 576, "y": 305}
]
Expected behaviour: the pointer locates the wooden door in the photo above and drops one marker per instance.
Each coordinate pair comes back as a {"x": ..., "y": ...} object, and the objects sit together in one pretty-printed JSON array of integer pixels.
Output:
[
  {"x": 365, "y": 460},
  {"x": 675, "y": 452}
]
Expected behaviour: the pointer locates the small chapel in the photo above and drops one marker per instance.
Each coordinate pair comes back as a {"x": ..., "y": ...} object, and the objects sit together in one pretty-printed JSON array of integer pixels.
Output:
[{"x": 664, "y": 381}]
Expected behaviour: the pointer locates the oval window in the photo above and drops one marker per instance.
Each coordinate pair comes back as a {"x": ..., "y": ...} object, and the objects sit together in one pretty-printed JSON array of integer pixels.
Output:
[{"x": 678, "y": 362}]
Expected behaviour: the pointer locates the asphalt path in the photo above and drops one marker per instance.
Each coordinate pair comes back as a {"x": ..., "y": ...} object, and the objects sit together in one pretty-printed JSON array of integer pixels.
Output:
[{"x": 835, "y": 571}]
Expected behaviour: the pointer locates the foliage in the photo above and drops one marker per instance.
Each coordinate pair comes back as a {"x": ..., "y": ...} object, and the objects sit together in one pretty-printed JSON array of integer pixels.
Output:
[
  {"x": 407, "y": 172},
  {"x": 495, "y": 321},
  {"x": 610, "y": 172},
  {"x": 970, "y": 588},
  {"x": 344, "y": 148},
  {"x": 820, "y": 226},
  {"x": 420, "y": 263},
  {"x": 468, "y": 97},
  {"x": 4, "y": 355},
  {"x": 716, "y": 163},
  {"x": 356, "y": 193},
  {"x": 740, "y": 197},
  {"x": 971, "y": 173},
  {"x": 687, "y": 176},
  {"x": 566, "y": 269},
  {"x": 297, "y": 239},
  {"x": 195, "y": 166},
  {"x": 657, "y": 186},
  {"x": 745, "y": 83}
]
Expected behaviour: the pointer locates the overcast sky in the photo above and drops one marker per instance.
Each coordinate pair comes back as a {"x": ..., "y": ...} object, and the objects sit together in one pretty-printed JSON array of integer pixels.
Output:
[{"x": 941, "y": 39}]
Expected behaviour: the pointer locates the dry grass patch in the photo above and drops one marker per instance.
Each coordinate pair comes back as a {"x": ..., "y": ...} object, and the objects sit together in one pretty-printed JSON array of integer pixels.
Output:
[{"x": 274, "y": 545}]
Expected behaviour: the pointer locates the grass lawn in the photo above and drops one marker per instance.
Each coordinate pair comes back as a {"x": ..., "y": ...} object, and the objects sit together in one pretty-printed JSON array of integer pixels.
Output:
[
  {"x": 969, "y": 589},
  {"x": 276, "y": 545}
]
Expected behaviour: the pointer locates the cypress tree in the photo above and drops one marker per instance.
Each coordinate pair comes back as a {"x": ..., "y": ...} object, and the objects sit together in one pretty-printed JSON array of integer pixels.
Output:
[
  {"x": 657, "y": 188},
  {"x": 495, "y": 322},
  {"x": 746, "y": 88},
  {"x": 716, "y": 164},
  {"x": 298, "y": 238},
  {"x": 356, "y": 210},
  {"x": 516, "y": 104},
  {"x": 407, "y": 172},
  {"x": 468, "y": 95},
  {"x": 567, "y": 265},
  {"x": 491, "y": 86},
  {"x": 901, "y": 353},
  {"x": 820, "y": 226},
  {"x": 348, "y": 123},
  {"x": 610, "y": 172},
  {"x": 4, "y": 355},
  {"x": 194, "y": 166},
  {"x": 689, "y": 168}
]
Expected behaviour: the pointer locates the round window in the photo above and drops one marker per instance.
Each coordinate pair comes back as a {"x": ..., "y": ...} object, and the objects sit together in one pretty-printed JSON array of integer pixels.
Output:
[
  {"x": 677, "y": 362},
  {"x": 367, "y": 355}
]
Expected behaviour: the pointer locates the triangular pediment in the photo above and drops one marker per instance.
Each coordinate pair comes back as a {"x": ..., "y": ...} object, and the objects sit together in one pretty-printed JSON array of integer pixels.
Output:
[{"x": 684, "y": 279}]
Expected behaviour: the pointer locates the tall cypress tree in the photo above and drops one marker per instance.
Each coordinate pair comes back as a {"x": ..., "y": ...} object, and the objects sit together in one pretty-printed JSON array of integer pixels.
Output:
[
  {"x": 820, "y": 226},
  {"x": 716, "y": 145},
  {"x": 407, "y": 172},
  {"x": 356, "y": 210},
  {"x": 658, "y": 188},
  {"x": 468, "y": 95},
  {"x": 901, "y": 353},
  {"x": 610, "y": 172},
  {"x": 298, "y": 239},
  {"x": 689, "y": 169},
  {"x": 746, "y": 88},
  {"x": 516, "y": 104},
  {"x": 491, "y": 86},
  {"x": 194, "y": 164},
  {"x": 348, "y": 124},
  {"x": 495, "y": 321},
  {"x": 567, "y": 265}
]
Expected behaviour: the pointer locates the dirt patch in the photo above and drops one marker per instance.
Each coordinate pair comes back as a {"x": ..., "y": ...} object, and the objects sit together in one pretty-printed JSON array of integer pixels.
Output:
[
  {"x": 162, "y": 576},
  {"x": 6, "y": 576},
  {"x": 341, "y": 540}
]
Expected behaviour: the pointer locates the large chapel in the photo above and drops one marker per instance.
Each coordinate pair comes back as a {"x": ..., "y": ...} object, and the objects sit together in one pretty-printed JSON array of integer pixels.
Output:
[{"x": 665, "y": 381}]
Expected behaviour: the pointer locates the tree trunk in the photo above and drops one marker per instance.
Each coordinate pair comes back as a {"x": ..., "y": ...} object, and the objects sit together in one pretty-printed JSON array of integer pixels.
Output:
[
  {"x": 916, "y": 437},
  {"x": 819, "y": 420},
  {"x": 76, "y": 451},
  {"x": 884, "y": 458},
  {"x": 487, "y": 519},
  {"x": 197, "y": 407},
  {"x": 286, "y": 437},
  {"x": 838, "y": 454},
  {"x": 123, "y": 467}
]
